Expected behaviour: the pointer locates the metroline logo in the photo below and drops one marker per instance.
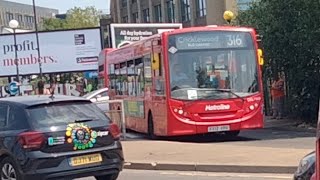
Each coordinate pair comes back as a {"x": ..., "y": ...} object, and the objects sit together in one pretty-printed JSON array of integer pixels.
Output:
[{"x": 217, "y": 107}]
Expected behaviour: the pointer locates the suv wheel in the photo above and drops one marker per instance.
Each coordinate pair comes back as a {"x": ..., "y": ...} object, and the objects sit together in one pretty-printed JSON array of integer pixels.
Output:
[
  {"x": 9, "y": 170},
  {"x": 108, "y": 177}
]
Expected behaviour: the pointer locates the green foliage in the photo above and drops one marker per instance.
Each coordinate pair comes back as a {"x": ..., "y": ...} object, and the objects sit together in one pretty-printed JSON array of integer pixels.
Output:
[
  {"x": 53, "y": 24},
  {"x": 76, "y": 18},
  {"x": 291, "y": 43}
]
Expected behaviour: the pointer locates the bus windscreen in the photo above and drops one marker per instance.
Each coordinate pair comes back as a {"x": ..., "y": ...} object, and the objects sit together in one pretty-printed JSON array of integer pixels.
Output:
[{"x": 212, "y": 65}]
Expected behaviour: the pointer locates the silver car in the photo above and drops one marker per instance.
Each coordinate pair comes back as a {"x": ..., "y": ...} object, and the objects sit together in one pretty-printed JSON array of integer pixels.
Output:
[{"x": 100, "y": 97}]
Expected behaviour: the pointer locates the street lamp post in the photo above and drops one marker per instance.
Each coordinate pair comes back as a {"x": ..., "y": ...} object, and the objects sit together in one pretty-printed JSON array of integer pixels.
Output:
[
  {"x": 14, "y": 24},
  {"x": 37, "y": 37}
]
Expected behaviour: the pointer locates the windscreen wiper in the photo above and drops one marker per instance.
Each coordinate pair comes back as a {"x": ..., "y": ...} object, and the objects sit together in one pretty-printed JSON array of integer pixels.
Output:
[
  {"x": 229, "y": 91},
  {"x": 83, "y": 120}
]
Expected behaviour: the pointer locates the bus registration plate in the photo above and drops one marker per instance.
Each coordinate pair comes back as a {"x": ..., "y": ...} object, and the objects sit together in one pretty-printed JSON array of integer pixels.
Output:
[{"x": 218, "y": 128}]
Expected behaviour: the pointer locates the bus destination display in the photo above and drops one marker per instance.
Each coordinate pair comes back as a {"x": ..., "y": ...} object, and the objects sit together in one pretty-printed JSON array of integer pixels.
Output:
[{"x": 210, "y": 40}]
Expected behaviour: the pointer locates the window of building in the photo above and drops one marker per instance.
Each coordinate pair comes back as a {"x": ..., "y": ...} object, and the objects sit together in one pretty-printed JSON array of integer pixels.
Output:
[
  {"x": 146, "y": 15},
  {"x": 171, "y": 11},
  {"x": 135, "y": 17},
  {"x": 124, "y": 19},
  {"x": 20, "y": 19},
  {"x": 201, "y": 8},
  {"x": 29, "y": 19},
  {"x": 124, "y": 3},
  {"x": 185, "y": 10},
  {"x": 157, "y": 13},
  {"x": 244, "y": 5},
  {"x": 9, "y": 16},
  {"x": 133, "y": 1}
]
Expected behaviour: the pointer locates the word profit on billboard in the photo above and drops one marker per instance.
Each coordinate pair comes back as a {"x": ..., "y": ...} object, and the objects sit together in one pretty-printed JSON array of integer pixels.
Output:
[{"x": 26, "y": 45}]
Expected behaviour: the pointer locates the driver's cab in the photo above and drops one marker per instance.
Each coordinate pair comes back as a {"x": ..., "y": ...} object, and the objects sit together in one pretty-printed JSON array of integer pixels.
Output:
[
  {"x": 180, "y": 73},
  {"x": 200, "y": 70}
]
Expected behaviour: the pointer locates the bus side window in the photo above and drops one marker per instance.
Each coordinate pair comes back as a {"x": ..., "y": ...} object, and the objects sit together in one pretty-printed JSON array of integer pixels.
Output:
[
  {"x": 147, "y": 73},
  {"x": 139, "y": 77},
  {"x": 110, "y": 76},
  {"x": 131, "y": 78},
  {"x": 123, "y": 79},
  {"x": 117, "y": 79}
]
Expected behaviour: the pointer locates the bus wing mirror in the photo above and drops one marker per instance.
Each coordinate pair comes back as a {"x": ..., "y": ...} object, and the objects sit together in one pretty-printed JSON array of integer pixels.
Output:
[
  {"x": 155, "y": 61},
  {"x": 260, "y": 57}
]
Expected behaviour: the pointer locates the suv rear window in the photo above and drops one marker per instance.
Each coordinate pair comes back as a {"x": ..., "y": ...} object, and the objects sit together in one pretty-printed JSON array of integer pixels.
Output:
[{"x": 64, "y": 113}]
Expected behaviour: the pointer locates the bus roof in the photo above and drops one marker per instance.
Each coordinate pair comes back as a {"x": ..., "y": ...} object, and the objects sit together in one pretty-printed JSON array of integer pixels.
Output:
[
  {"x": 128, "y": 50},
  {"x": 210, "y": 28},
  {"x": 193, "y": 29}
]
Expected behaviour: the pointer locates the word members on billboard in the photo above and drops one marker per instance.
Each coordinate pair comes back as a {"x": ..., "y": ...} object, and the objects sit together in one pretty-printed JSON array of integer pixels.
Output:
[{"x": 26, "y": 45}]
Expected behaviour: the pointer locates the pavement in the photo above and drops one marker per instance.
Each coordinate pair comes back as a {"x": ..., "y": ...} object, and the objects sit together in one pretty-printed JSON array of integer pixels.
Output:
[
  {"x": 178, "y": 175},
  {"x": 276, "y": 149}
]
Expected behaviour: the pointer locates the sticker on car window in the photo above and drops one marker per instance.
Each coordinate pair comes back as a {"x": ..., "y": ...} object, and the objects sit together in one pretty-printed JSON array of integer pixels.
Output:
[{"x": 56, "y": 140}]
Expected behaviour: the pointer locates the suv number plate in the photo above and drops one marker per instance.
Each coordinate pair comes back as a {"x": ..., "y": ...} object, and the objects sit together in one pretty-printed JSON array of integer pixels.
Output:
[{"x": 83, "y": 160}]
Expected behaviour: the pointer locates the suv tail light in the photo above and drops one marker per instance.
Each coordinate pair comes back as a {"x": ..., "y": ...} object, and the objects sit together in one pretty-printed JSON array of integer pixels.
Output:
[
  {"x": 31, "y": 140},
  {"x": 114, "y": 130}
]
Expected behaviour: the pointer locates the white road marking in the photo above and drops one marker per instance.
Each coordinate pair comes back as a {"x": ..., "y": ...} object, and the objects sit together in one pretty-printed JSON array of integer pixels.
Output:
[{"x": 209, "y": 174}]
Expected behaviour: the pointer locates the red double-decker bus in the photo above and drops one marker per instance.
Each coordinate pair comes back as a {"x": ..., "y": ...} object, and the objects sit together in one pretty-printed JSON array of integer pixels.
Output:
[{"x": 190, "y": 81}]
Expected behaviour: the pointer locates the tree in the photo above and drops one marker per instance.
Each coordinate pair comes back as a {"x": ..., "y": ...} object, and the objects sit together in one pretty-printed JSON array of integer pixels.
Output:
[
  {"x": 53, "y": 24},
  {"x": 291, "y": 42},
  {"x": 75, "y": 18}
]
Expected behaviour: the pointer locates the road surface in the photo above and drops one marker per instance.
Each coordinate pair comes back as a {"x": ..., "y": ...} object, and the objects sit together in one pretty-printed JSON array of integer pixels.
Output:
[
  {"x": 173, "y": 175},
  {"x": 268, "y": 137}
]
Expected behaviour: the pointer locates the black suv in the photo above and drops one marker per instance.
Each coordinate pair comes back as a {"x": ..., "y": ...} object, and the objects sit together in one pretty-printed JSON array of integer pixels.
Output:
[{"x": 61, "y": 137}]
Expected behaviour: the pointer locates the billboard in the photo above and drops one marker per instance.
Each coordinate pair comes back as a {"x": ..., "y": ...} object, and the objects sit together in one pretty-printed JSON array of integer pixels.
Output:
[
  {"x": 60, "y": 51},
  {"x": 122, "y": 34}
]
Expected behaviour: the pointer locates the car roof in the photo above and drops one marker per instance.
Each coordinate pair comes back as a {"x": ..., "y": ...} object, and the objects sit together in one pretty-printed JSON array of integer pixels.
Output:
[
  {"x": 35, "y": 100},
  {"x": 95, "y": 92}
]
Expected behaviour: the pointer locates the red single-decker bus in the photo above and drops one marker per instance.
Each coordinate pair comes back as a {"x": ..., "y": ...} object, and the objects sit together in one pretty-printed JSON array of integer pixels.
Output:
[{"x": 190, "y": 81}]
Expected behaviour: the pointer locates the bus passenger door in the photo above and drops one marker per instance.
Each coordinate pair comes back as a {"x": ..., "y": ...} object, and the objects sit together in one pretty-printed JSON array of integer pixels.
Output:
[{"x": 159, "y": 95}]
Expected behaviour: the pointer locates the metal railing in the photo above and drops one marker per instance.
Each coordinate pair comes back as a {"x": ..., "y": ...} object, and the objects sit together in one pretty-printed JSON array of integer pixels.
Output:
[{"x": 113, "y": 114}]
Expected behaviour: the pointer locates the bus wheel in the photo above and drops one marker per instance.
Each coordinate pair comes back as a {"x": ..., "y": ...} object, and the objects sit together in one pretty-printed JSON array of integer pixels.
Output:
[
  {"x": 232, "y": 134},
  {"x": 151, "y": 127}
]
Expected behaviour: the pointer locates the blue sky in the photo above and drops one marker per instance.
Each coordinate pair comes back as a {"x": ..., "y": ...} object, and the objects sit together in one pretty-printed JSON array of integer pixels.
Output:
[{"x": 64, "y": 5}]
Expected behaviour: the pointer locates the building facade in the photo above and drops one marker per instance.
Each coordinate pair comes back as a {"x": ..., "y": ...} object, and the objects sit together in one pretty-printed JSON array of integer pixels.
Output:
[
  {"x": 244, "y": 4},
  {"x": 23, "y": 13},
  {"x": 188, "y": 12}
]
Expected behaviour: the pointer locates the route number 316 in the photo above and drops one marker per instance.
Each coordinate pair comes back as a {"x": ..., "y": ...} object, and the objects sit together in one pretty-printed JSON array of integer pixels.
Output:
[{"x": 234, "y": 40}]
